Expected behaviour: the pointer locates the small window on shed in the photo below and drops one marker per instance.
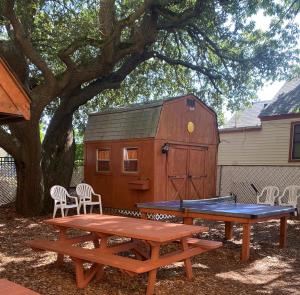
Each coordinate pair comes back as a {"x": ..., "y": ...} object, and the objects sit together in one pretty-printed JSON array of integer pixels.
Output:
[
  {"x": 295, "y": 142},
  {"x": 130, "y": 159},
  {"x": 103, "y": 160},
  {"x": 190, "y": 103}
]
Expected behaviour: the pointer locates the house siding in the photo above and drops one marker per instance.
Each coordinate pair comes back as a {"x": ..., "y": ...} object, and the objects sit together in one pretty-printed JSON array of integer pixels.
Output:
[{"x": 267, "y": 146}]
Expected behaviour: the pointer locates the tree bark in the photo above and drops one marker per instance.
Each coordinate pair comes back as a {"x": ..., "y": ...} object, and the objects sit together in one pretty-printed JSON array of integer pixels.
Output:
[
  {"x": 58, "y": 155},
  {"x": 30, "y": 189}
]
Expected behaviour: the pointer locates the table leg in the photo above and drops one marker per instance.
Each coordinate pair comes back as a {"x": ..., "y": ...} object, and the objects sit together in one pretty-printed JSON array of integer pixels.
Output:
[
  {"x": 187, "y": 261},
  {"x": 246, "y": 242},
  {"x": 143, "y": 215},
  {"x": 228, "y": 230},
  {"x": 152, "y": 273},
  {"x": 283, "y": 228},
  {"x": 62, "y": 235},
  {"x": 188, "y": 220},
  {"x": 102, "y": 245}
]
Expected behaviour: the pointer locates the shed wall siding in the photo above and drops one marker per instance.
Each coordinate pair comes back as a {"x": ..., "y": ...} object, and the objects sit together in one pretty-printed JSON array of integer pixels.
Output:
[{"x": 268, "y": 146}]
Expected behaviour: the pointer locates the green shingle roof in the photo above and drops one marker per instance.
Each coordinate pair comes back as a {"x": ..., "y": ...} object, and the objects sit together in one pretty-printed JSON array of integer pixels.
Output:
[
  {"x": 135, "y": 121},
  {"x": 287, "y": 101}
]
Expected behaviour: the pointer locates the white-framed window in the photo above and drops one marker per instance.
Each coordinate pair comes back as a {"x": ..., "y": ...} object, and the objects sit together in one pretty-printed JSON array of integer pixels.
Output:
[
  {"x": 130, "y": 159},
  {"x": 103, "y": 160}
]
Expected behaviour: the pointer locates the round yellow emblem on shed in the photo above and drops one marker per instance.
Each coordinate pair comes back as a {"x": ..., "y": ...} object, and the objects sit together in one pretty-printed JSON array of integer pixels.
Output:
[{"x": 190, "y": 127}]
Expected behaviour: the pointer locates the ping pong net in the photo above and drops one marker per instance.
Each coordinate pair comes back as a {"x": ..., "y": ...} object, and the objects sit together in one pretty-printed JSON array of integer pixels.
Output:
[{"x": 185, "y": 204}]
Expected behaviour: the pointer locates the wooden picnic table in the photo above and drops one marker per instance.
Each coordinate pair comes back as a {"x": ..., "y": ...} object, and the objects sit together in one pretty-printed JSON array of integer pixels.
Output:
[
  {"x": 10, "y": 288},
  {"x": 146, "y": 239}
]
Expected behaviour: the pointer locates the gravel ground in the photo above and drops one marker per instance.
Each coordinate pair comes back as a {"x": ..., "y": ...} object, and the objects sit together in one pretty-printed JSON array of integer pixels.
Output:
[{"x": 270, "y": 270}]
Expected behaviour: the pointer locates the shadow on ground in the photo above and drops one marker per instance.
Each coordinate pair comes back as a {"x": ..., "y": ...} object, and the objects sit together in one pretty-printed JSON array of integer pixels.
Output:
[{"x": 271, "y": 270}]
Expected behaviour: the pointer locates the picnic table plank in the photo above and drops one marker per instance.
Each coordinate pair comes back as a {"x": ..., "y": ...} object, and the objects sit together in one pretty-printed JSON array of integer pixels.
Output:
[
  {"x": 152, "y": 234},
  {"x": 149, "y": 230},
  {"x": 8, "y": 287}
]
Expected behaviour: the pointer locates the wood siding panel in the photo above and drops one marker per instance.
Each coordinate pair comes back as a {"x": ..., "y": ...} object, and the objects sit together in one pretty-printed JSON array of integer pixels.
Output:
[
  {"x": 174, "y": 119},
  {"x": 12, "y": 89},
  {"x": 268, "y": 146},
  {"x": 6, "y": 105},
  {"x": 114, "y": 185}
]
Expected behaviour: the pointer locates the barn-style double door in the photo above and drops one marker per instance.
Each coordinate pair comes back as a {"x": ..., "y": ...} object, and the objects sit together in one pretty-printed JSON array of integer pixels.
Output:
[{"x": 186, "y": 172}]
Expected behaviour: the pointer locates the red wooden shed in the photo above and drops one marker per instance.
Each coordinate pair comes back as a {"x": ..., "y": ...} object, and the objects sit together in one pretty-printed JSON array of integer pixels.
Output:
[
  {"x": 14, "y": 101},
  {"x": 161, "y": 150}
]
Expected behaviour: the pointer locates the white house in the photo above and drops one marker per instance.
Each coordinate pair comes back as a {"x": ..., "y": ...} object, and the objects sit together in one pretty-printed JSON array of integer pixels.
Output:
[{"x": 261, "y": 145}]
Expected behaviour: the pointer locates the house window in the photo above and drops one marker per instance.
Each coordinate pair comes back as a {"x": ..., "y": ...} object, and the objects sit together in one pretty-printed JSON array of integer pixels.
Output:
[
  {"x": 103, "y": 160},
  {"x": 130, "y": 159},
  {"x": 295, "y": 142}
]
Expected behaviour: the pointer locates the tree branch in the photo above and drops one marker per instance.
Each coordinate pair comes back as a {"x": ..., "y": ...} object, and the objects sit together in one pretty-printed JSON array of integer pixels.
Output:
[
  {"x": 25, "y": 43},
  {"x": 201, "y": 69}
]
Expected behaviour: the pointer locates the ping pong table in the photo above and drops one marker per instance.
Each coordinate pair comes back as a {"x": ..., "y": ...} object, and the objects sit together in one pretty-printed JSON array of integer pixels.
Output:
[{"x": 223, "y": 209}]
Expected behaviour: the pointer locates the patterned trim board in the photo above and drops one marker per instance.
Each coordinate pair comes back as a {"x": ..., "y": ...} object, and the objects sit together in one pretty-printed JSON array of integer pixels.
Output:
[{"x": 250, "y": 211}]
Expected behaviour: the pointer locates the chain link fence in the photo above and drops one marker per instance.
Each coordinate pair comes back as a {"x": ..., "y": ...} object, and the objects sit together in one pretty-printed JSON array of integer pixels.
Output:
[
  {"x": 242, "y": 181},
  {"x": 8, "y": 180},
  {"x": 245, "y": 181}
]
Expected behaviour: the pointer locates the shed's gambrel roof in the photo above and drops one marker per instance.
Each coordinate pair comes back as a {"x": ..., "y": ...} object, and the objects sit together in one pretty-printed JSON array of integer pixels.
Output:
[
  {"x": 287, "y": 101},
  {"x": 135, "y": 121},
  {"x": 132, "y": 122}
]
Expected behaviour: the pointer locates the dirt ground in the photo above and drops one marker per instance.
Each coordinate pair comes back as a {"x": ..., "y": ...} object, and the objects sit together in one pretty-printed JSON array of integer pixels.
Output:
[{"x": 271, "y": 270}]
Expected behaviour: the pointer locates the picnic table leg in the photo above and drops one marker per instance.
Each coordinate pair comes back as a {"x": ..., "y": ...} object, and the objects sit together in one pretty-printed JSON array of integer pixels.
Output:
[
  {"x": 61, "y": 237},
  {"x": 144, "y": 215},
  {"x": 187, "y": 261},
  {"x": 101, "y": 246},
  {"x": 188, "y": 220},
  {"x": 283, "y": 228},
  {"x": 228, "y": 230},
  {"x": 246, "y": 242},
  {"x": 152, "y": 273}
]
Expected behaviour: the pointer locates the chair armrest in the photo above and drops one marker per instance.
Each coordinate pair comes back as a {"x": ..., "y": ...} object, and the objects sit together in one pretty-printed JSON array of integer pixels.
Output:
[{"x": 97, "y": 195}]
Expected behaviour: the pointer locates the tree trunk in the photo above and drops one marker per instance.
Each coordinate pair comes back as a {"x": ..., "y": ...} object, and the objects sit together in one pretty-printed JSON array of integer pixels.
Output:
[
  {"x": 58, "y": 156},
  {"x": 29, "y": 173}
]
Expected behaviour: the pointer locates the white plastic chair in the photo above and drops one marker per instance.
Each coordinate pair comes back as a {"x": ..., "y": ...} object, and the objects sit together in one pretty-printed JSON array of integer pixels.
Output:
[
  {"x": 60, "y": 196},
  {"x": 268, "y": 195},
  {"x": 290, "y": 197},
  {"x": 85, "y": 193}
]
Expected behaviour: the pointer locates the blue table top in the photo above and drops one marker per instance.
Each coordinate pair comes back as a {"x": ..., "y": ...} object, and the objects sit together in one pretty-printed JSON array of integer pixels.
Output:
[{"x": 219, "y": 208}]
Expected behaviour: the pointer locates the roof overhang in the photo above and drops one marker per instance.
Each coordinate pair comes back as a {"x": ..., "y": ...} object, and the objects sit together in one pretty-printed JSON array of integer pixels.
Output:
[
  {"x": 240, "y": 129},
  {"x": 280, "y": 117},
  {"x": 14, "y": 101}
]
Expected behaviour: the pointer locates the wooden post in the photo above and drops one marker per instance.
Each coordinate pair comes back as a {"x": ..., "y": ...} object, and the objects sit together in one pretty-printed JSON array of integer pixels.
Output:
[
  {"x": 144, "y": 215},
  {"x": 188, "y": 220},
  {"x": 62, "y": 236},
  {"x": 152, "y": 273},
  {"x": 283, "y": 229},
  {"x": 246, "y": 242},
  {"x": 187, "y": 261},
  {"x": 228, "y": 230}
]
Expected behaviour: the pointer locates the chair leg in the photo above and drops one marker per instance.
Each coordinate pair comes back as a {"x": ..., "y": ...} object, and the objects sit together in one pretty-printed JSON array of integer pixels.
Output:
[
  {"x": 78, "y": 210},
  {"x": 91, "y": 209},
  {"x": 54, "y": 212},
  {"x": 62, "y": 212},
  {"x": 67, "y": 210},
  {"x": 84, "y": 208}
]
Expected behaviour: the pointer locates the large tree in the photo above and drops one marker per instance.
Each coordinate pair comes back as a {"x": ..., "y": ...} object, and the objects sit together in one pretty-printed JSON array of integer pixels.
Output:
[{"x": 67, "y": 52}]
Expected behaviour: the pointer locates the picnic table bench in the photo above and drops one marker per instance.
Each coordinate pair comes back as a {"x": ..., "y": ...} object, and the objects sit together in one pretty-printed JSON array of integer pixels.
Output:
[
  {"x": 146, "y": 239},
  {"x": 10, "y": 288}
]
